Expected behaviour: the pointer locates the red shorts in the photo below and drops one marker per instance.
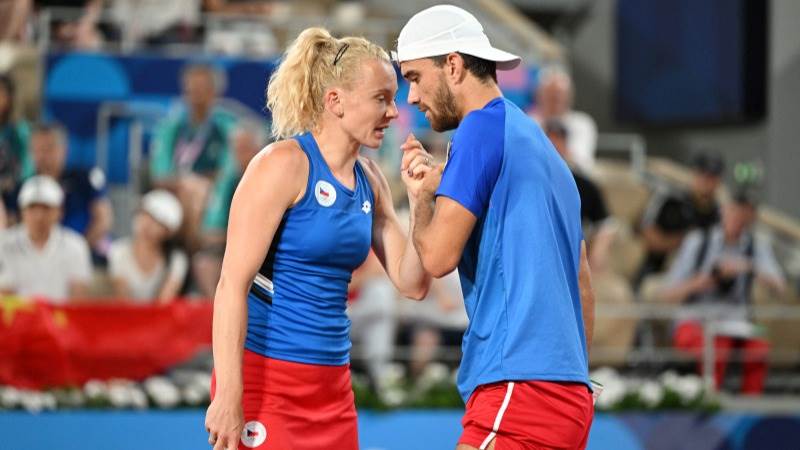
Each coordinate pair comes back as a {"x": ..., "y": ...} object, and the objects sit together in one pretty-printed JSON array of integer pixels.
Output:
[
  {"x": 528, "y": 415},
  {"x": 296, "y": 406}
]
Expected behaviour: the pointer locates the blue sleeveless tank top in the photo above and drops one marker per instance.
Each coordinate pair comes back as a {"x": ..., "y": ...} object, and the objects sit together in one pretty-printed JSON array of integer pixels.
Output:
[{"x": 296, "y": 306}]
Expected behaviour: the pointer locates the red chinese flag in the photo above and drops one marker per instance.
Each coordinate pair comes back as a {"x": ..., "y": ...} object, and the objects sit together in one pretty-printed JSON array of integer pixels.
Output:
[{"x": 47, "y": 346}]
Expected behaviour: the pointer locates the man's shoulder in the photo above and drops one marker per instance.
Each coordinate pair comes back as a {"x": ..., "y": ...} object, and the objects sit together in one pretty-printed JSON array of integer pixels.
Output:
[
  {"x": 9, "y": 237},
  {"x": 479, "y": 128},
  {"x": 494, "y": 113}
]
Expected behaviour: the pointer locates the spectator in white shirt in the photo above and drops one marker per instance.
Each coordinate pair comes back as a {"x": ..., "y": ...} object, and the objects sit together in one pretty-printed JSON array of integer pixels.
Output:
[
  {"x": 39, "y": 258},
  {"x": 554, "y": 97},
  {"x": 147, "y": 267}
]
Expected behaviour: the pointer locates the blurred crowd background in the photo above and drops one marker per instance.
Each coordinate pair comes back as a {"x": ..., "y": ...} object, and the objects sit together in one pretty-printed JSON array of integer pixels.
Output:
[{"x": 125, "y": 126}]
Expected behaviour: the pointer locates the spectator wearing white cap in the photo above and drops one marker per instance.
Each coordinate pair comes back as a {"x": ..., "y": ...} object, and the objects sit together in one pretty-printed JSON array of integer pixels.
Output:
[
  {"x": 86, "y": 207},
  {"x": 147, "y": 267},
  {"x": 38, "y": 257}
]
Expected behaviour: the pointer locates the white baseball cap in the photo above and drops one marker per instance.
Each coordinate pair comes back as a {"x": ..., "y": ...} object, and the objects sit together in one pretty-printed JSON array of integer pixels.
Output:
[
  {"x": 41, "y": 190},
  {"x": 444, "y": 29},
  {"x": 164, "y": 208}
]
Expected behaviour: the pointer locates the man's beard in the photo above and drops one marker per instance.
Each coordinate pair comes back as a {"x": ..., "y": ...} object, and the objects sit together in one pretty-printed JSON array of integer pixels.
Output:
[{"x": 444, "y": 115}]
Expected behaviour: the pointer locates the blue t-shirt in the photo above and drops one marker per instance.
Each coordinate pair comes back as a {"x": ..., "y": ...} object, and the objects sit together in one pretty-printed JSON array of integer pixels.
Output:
[
  {"x": 296, "y": 307},
  {"x": 81, "y": 189},
  {"x": 519, "y": 269}
]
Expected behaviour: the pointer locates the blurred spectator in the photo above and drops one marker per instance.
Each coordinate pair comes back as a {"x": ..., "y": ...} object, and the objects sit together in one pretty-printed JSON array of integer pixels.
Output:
[
  {"x": 39, "y": 258},
  {"x": 554, "y": 98},
  {"x": 15, "y": 160},
  {"x": 87, "y": 209},
  {"x": 373, "y": 317},
  {"x": 241, "y": 38},
  {"x": 81, "y": 33},
  {"x": 600, "y": 231},
  {"x": 190, "y": 150},
  {"x": 671, "y": 214},
  {"x": 243, "y": 8},
  {"x": 147, "y": 267},
  {"x": 712, "y": 276},
  {"x": 244, "y": 32},
  {"x": 247, "y": 139},
  {"x": 14, "y": 17},
  {"x": 598, "y": 226},
  {"x": 156, "y": 22}
]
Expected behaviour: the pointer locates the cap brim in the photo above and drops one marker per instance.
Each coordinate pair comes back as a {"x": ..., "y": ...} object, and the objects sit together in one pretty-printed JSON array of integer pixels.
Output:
[{"x": 504, "y": 60}]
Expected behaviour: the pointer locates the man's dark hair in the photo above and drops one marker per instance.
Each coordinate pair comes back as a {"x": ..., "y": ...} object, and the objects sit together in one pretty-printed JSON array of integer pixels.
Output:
[
  {"x": 745, "y": 197},
  {"x": 482, "y": 69},
  {"x": 709, "y": 162}
]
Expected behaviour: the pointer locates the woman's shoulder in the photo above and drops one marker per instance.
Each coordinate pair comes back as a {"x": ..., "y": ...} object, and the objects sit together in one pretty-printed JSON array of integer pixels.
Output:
[
  {"x": 279, "y": 171},
  {"x": 287, "y": 153}
]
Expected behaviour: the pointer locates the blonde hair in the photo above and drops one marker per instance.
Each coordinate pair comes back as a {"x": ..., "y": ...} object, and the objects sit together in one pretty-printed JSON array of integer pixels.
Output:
[{"x": 314, "y": 62}]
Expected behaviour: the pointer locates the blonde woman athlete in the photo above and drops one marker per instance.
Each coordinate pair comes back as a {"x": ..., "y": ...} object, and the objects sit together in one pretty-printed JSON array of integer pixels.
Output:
[{"x": 304, "y": 216}]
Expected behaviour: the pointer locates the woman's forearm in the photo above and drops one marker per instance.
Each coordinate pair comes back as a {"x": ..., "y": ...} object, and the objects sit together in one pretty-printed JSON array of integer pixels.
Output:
[{"x": 229, "y": 328}]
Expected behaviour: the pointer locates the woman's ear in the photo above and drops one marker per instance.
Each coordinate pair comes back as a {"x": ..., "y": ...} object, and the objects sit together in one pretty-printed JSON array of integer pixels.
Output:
[{"x": 333, "y": 102}]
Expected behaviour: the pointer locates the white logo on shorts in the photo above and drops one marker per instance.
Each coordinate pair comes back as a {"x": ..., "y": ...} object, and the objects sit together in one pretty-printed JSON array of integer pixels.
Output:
[
  {"x": 254, "y": 434},
  {"x": 325, "y": 193}
]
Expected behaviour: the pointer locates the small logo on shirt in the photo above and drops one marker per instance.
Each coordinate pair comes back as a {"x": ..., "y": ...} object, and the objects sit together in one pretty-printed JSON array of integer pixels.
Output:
[
  {"x": 366, "y": 207},
  {"x": 325, "y": 193},
  {"x": 254, "y": 434}
]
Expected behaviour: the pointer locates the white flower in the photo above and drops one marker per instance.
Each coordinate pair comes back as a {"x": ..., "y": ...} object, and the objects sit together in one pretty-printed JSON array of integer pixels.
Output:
[
  {"x": 605, "y": 376},
  {"x": 95, "y": 389},
  {"x": 689, "y": 388},
  {"x": 10, "y": 397},
  {"x": 393, "y": 396},
  {"x": 194, "y": 395},
  {"x": 138, "y": 397},
  {"x": 202, "y": 379},
  {"x": 49, "y": 401},
  {"x": 670, "y": 380},
  {"x": 32, "y": 401},
  {"x": 433, "y": 374},
  {"x": 162, "y": 391},
  {"x": 392, "y": 375},
  {"x": 613, "y": 392},
  {"x": 651, "y": 393},
  {"x": 119, "y": 394}
]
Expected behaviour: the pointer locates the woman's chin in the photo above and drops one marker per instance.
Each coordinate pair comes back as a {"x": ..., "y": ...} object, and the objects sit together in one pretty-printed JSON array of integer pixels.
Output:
[{"x": 372, "y": 142}]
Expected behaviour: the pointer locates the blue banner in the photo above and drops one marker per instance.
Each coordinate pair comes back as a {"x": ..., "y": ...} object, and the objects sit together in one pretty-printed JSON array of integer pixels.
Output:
[{"x": 401, "y": 430}]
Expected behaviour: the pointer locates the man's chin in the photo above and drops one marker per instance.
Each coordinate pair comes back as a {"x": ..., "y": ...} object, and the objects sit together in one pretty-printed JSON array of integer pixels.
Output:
[{"x": 440, "y": 126}]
